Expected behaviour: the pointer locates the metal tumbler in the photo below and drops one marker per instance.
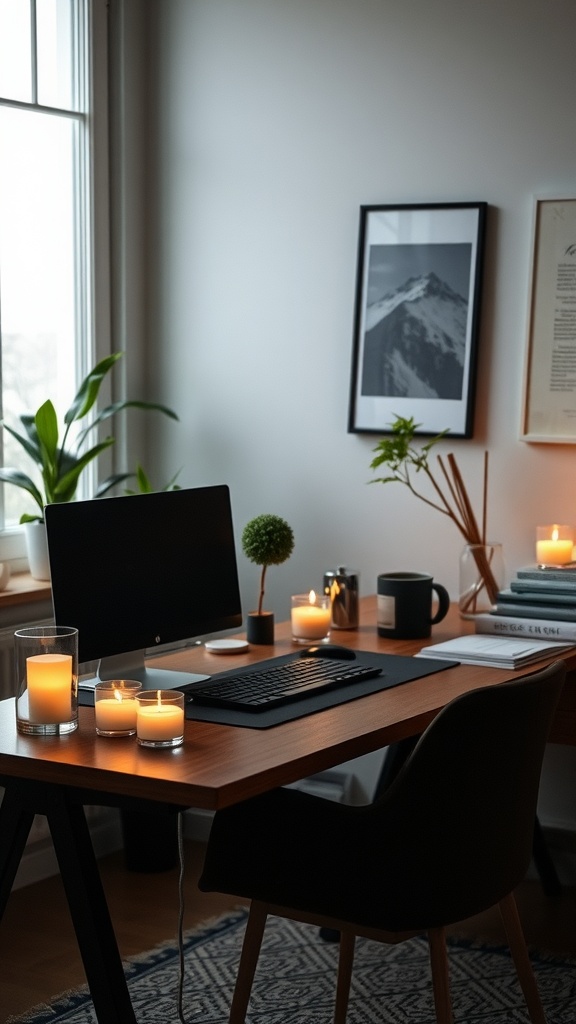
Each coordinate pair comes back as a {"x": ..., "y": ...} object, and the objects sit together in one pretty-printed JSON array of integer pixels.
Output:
[{"x": 342, "y": 586}]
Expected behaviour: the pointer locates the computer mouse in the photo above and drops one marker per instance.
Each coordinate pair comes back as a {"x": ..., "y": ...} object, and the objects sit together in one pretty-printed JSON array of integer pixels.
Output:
[{"x": 329, "y": 651}]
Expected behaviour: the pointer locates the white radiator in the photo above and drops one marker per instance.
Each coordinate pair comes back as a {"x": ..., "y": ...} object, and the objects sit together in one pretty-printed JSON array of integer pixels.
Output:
[
  {"x": 6, "y": 663},
  {"x": 7, "y": 680}
]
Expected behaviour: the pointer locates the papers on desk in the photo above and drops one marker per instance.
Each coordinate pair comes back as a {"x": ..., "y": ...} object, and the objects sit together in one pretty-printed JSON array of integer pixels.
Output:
[{"x": 494, "y": 651}]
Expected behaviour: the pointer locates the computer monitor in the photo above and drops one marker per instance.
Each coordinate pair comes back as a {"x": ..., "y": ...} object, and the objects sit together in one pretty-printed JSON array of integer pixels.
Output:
[{"x": 143, "y": 571}]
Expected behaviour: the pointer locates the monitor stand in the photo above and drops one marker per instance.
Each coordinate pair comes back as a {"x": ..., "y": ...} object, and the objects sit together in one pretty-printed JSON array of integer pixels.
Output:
[{"x": 133, "y": 666}]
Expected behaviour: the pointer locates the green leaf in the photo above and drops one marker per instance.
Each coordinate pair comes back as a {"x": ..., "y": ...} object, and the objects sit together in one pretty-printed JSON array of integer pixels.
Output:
[
  {"x": 46, "y": 423},
  {"x": 110, "y": 482},
  {"x": 65, "y": 488},
  {"x": 30, "y": 443},
  {"x": 397, "y": 453},
  {"x": 172, "y": 485},
  {"x": 131, "y": 403},
  {"x": 144, "y": 485},
  {"x": 19, "y": 479},
  {"x": 89, "y": 389},
  {"x": 112, "y": 410},
  {"x": 384, "y": 480}
]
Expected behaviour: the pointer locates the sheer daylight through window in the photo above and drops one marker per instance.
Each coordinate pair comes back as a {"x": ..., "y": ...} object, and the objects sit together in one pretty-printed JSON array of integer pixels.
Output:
[{"x": 45, "y": 277}]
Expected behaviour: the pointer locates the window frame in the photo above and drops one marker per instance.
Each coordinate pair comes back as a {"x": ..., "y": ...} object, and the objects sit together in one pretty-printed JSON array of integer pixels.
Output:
[{"x": 92, "y": 214}]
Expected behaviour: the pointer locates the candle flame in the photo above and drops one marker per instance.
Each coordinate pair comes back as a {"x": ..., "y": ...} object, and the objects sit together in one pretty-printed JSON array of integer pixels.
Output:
[
  {"x": 159, "y": 697},
  {"x": 117, "y": 694},
  {"x": 312, "y": 597},
  {"x": 555, "y": 533}
]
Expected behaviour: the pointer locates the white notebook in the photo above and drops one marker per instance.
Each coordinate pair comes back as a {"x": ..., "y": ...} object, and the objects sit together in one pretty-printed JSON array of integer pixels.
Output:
[{"x": 494, "y": 651}]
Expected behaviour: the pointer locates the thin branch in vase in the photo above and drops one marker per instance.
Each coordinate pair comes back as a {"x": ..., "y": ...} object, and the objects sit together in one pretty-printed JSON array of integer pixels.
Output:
[{"x": 399, "y": 455}]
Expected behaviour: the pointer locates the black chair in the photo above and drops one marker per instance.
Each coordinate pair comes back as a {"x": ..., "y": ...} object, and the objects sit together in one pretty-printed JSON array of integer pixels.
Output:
[{"x": 450, "y": 837}]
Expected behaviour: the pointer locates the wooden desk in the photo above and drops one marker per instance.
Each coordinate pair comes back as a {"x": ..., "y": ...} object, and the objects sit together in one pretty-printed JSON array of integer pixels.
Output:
[{"x": 217, "y": 766}]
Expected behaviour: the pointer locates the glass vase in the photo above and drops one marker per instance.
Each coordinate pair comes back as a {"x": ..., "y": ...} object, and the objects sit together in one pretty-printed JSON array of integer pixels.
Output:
[{"x": 481, "y": 577}]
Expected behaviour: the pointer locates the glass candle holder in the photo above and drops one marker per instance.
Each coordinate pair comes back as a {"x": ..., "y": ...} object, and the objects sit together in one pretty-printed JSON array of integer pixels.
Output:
[
  {"x": 310, "y": 618},
  {"x": 46, "y": 660},
  {"x": 554, "y": 545},
  {"x": 115, "y": 707},
  {"x": 481, "y": 577},
  {"x": 160, "y": 718}
]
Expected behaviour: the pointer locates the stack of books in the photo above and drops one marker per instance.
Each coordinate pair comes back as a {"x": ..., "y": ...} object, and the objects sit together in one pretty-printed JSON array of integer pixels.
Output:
[{"x": 540, "y": 603}]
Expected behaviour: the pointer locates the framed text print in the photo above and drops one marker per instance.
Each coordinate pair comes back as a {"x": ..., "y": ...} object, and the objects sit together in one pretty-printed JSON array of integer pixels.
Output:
[
  {"x": 416, "y": 318},
  {"x": 549, "y": 408}
]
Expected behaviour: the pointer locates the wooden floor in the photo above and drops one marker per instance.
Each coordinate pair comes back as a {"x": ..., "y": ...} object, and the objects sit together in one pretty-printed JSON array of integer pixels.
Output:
[{"x": 39, "y": 957}]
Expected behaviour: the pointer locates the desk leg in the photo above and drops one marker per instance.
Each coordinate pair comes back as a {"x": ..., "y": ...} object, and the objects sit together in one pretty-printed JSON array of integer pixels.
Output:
[
  {"x": 89, "y": 910},
  {"x": 15, "y": 824},
  {"x": 83, "y": 886}
]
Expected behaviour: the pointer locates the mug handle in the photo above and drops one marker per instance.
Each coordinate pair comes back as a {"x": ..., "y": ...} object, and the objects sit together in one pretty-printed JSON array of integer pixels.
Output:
[{"x": 443, "y": 603}]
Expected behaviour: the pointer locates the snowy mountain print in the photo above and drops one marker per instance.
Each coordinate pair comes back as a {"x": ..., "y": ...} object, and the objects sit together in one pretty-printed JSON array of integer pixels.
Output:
[{"x": 415, "y": 341}]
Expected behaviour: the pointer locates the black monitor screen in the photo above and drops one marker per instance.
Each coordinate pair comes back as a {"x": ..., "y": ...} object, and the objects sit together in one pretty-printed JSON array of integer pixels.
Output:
[{"x": 143, "y": 570}]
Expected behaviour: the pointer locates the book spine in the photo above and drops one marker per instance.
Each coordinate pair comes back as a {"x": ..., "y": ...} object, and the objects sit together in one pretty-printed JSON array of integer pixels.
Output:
[
  {"x": 540, "y": 597},
  {"x": 568, "y": 574},
  {"x": 536, "y": 611},
  {"x": 525, "y": 628},
  {"x": 545, "y": 586}
]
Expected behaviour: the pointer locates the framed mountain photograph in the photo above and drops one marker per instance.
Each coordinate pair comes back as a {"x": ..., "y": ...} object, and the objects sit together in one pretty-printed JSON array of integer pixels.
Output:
[{"x": 416, "y": 318}]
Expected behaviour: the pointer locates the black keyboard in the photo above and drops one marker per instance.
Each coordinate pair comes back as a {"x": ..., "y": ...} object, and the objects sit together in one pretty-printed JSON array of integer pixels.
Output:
[{"x": 281, "y": 684}]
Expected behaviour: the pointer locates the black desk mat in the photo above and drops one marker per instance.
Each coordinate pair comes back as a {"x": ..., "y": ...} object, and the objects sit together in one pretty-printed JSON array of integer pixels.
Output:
[{"x": 395, "y": 671}]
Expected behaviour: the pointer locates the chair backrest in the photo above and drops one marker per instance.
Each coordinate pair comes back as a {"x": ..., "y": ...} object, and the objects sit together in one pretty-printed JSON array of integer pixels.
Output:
[{"x": 458, "y": 820}]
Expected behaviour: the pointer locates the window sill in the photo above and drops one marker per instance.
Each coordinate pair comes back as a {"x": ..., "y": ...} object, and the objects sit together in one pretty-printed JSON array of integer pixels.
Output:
[{"x": 24, "y": 589}]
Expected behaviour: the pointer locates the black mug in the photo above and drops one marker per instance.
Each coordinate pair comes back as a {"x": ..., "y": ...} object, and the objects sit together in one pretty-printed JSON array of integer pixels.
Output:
[{"x": 405, "y": 605}]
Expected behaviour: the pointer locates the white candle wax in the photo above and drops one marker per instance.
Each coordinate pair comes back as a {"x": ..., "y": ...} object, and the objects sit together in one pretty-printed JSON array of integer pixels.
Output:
[
  {"x": 310, "y": 622},
  {"x": 115, "y": 714},
  {"x": 49, "y": 682},
  {"x": 553, "y": 552},
  {"x": 160, "y": 722}
]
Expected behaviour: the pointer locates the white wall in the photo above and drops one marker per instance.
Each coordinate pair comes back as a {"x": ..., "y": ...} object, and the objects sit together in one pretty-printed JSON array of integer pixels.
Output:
[
  {"x": 272, "y": 121},
  {"x": 278, "y": 119}
]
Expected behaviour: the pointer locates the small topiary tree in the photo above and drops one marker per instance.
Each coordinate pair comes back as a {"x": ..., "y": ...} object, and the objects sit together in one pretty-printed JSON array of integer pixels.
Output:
[{"x": 267, "y": 540}]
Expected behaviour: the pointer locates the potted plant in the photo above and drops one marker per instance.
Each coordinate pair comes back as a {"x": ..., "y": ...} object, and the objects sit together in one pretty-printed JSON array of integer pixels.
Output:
[
  {"x": 266, "y": 540},
  {"x": 61, "y": 463}
]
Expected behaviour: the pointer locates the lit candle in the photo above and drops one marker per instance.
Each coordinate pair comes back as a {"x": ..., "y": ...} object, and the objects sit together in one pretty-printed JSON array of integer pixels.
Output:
[
  {"x": 310, "y": 616},
  {"x": 158, "y": 721},
  {"x": 49, "y": 683},
  {"x": 554, "y": 549},
  {"x": 116, "y": 714}
]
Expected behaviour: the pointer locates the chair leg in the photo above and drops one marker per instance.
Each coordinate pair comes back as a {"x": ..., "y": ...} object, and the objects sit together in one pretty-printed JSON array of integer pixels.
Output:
[
  {"x": 440, "y": 978},
  {"x": 345, "y": 962},
  {"x": 517, "y": 943},
  {"x": 248, "y": 961}
]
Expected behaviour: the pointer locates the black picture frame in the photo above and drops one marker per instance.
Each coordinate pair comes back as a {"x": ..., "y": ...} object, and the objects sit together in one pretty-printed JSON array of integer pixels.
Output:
[{"x": 416, "y": 319}]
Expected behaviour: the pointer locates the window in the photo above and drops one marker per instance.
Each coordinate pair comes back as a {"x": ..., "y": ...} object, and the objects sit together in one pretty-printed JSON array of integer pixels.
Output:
[{"x": 48, "y": 180}]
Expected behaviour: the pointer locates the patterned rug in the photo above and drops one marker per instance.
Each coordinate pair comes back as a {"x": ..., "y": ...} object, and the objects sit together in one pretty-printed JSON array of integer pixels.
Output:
[{"x": 295, "y": 982}]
